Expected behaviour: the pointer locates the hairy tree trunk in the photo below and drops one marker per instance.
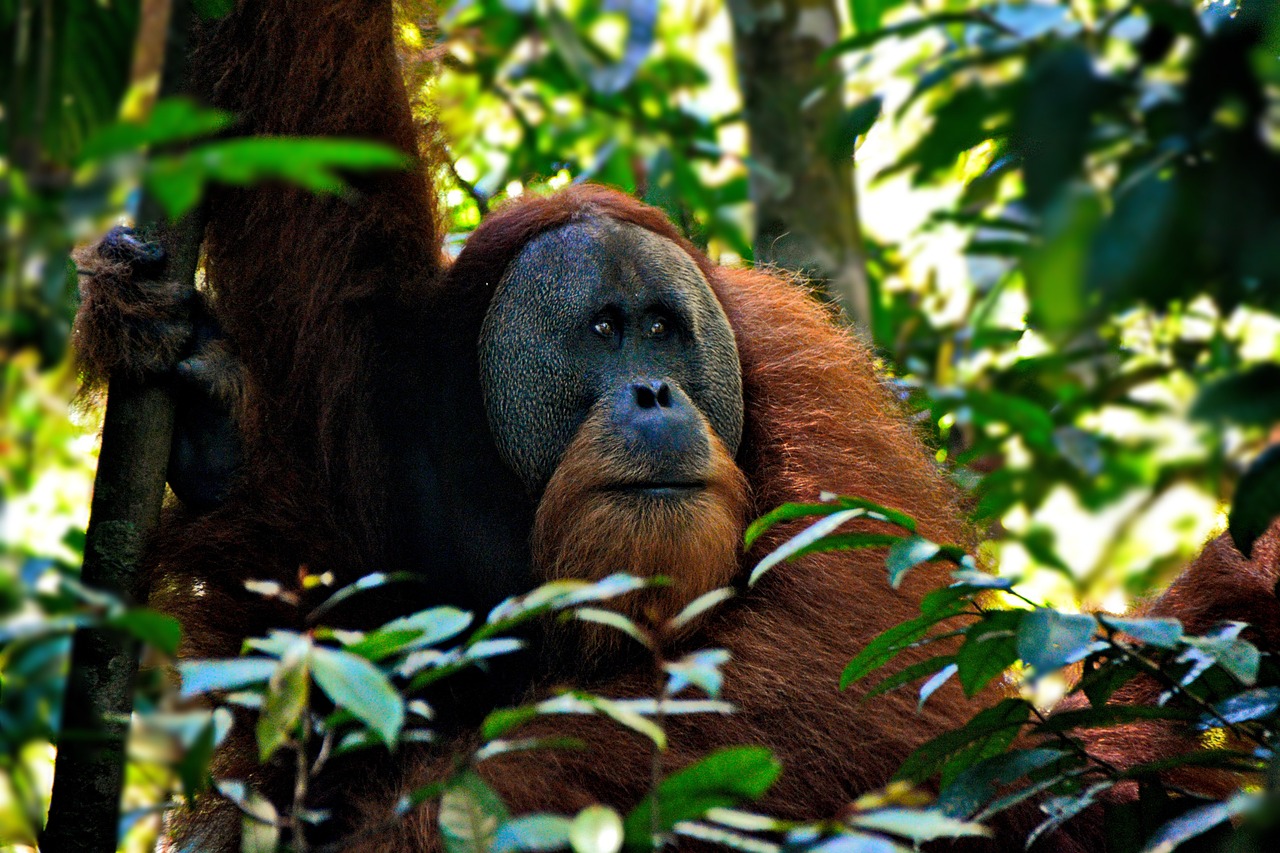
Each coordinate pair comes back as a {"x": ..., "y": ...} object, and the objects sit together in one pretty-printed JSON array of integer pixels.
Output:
[
  {"x": 805, "y": 198},
  {"x": 128, "y": 491}
]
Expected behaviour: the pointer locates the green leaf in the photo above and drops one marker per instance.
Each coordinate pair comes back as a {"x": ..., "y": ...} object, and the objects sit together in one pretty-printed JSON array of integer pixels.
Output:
[
  {"x": 796, "y": 544},
  {"x": 974, "y": 787},
  {"x": 532, "y": 832},
  {"x": 906, "y": 554},
  {"x": 1200, "y": 820},
  {"x": 1247, "y": 705},
  {"x": 315, "y": 164},
  {"x": 435, "y": 625},
  {"x": 1109, "y": 715},
  {"x": 701, "y": 668},
  {"x": 1257, "y": 500},
  {"x": 213, "y": 10},
  {"x": 1101, "y": 682},
  {"x": 987, "y": 734},
  {"x": 831, "y": 505},
  {"x": 287, "y": 697},
  {"x": 916, "y": 824},
  {"x": 596, "y": 829},
  {"x": 470, "y": 814},
  {"x": 1049, "y": 640},
  {"x": 890, "y": 643},
  {"x": 504, "y": 720},
  {"x": 193, "y": 763},
  {"x": 158, "y": 630},
  {"x": 851, "y": 124},
  {"x": 990, "y": 648},
  {"x": 361, "y": 688},
  {"x": 1063, "y": 808},
  {"x": 903, "y": 30},
  {"x": 931, "y": 686},
  {"x": 1161, "y": 633},
  {"x": 171, "y": 120},
  {"x": 368, "y": 582},
  {"x": 911, "y": 673},
  {"x": 724, "y": 778},
  {"x": 1250, "y": 397},
  {"x": 208, "y": 676},
  {"x": 620, "y": 713},
  {"x": 615, "y": 620},
  {"x": 700, "y": 605},
  {"x": 1223, "y": 647}
]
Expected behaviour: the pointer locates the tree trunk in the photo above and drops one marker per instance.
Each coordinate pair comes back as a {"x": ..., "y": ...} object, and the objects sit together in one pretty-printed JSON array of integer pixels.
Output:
[
  {"x": 128, "y": 491},
  {"x": 805, "y": 197}
]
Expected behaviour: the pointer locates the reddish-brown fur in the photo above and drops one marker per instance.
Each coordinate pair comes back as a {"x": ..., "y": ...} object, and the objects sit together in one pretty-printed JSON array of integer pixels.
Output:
[{"x": 304, "y": 287}]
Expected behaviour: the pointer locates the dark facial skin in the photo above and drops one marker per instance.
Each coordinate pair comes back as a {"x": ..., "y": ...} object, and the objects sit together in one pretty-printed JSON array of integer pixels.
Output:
[{"x": 608, "y": 316}]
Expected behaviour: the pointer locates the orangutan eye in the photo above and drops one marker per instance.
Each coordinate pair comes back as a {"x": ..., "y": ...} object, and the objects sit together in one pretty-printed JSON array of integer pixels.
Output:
[
  {"x": 657, "y": 328},
  {"x": 603, "y": 328}
]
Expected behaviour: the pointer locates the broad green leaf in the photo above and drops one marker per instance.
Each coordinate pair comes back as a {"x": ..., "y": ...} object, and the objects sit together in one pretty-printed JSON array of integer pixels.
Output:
[
  {"x": 889, "y": 644},
  {"x": 830, "y": 505},
  {"x": 1101, "y": 682},
  {"x": 207, "y": 676},
  {"x": 470, "y": 814},
  {"x": 1049, "y": 640},
  {"x": 906, "y": 554},
  {"x": 596, "y": 829},
  {"x": 436, "y": 625},
  {"x": 724, "y": 778},
  {"x": 701, "y": 668},
  {"x": 287, "y": 698},
  {"x": 1248, "y": 705},
  {"x": 1223, "y": 647},
  {"x": 381, "y": 644},
  {"x": 1110, "y": 715},
  {"x": 793, "y": 546},
  {"x": 619, "y": 712},
  {"x": 315, "y": 164},
  {"x": 911, "y": 673},
  {"x": 171, "y": 120},
  {"x": 1250, "y": 397},
  {"x": 970, "y": 790},
  {"x": 529, "y": 744},
  {"x": 990, "y": 647},
  {"x": 988, "y": 733},
  {"x": 1257, "y": 500},
  {"x": 532, "y": 832},
  {"x": 360, "y": 687},
  {"x": 1200, "y": 820},
  {"x": 158, "y": 630},
  {"x": 502, "y": 721},
  {"x": 1161, "y": 633}
]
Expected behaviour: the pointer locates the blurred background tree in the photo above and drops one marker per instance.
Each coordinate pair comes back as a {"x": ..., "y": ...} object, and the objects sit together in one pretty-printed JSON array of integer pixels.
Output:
[{"x": 1062, "y": 236}]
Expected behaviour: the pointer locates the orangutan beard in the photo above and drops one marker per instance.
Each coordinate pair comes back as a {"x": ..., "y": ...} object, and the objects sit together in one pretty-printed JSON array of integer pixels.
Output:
[{"x": 590, "y": 525}]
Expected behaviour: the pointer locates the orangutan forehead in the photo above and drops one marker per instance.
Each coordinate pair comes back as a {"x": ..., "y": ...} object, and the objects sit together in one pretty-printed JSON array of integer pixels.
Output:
[{"x": 599, "y": 251}]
